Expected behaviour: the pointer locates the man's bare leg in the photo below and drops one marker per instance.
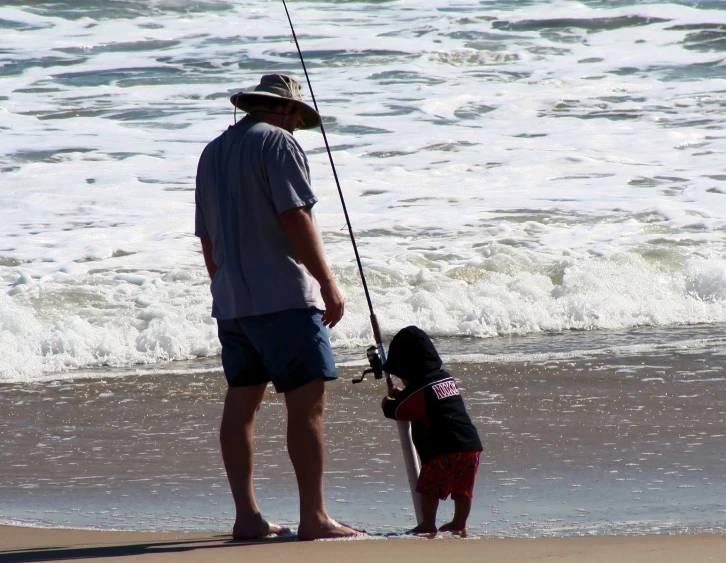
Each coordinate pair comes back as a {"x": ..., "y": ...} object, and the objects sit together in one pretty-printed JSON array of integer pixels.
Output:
[
  {"x": 237, "y": 439},
  {"x": 462, "y": 508},
  {"x": 306, "y": 446}
]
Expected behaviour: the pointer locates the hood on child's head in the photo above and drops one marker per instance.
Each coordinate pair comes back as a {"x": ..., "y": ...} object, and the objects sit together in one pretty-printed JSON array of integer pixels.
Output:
[{"x": 412, "y": 355}]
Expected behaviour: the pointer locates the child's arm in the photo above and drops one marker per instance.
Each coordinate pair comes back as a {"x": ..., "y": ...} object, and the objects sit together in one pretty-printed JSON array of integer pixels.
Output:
[
  {"x": 392, "y": 395},
  {"x": 389, "y": 404},
  {"x": 404, "y": 406}
]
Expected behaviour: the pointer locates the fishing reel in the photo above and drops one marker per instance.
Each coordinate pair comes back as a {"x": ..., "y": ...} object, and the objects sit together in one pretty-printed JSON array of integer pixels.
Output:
[{"x": 376, "y": 365}]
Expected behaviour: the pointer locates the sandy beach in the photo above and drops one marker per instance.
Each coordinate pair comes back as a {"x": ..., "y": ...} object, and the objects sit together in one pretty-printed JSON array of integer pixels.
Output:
[{"x": 32, "y": 544}]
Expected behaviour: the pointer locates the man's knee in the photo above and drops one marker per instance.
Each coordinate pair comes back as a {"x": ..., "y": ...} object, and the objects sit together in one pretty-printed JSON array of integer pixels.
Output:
[
  {"x": 307, "y": 400},
  {"x": 242, "y": 403}
]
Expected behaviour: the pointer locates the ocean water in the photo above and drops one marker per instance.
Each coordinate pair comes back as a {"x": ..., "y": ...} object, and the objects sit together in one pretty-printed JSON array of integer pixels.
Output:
[{"x": 511, "y": 168}]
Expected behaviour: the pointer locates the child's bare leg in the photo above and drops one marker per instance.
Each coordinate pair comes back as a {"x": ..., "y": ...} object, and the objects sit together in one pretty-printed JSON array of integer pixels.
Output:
[
  {"x": 429, "y": 506},
  {"x": 462, "y": 508}
]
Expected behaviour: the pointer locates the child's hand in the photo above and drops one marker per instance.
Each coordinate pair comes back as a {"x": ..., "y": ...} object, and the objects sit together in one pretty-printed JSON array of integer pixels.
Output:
[{"x": 393, "y": 393}]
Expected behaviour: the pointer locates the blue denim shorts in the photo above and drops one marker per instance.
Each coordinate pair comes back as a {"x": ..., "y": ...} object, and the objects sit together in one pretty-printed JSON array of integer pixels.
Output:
[{"x": 289, "y": 348}]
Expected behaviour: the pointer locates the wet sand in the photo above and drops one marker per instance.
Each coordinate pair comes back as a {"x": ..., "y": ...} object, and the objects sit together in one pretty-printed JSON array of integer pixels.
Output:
[
  {"x": 28, "y": 545},
  {"x": 607, "y": 445}
]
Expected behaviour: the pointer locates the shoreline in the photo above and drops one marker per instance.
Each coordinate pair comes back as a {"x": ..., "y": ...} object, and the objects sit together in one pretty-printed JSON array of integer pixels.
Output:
[
  {"x": 51, "y": 544},
  {"x": 456, "y": 351}
]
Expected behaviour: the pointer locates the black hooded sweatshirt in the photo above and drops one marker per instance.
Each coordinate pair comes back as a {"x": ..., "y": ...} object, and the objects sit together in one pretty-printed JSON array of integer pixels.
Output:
[{"x": 431, "y": 400}]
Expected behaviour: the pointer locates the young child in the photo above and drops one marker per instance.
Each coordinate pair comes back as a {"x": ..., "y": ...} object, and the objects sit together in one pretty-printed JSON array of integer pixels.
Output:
[{"x": 445, "y": 438}]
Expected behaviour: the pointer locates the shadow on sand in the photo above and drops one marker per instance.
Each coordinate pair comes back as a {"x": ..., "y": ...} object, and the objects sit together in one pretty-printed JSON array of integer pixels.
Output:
[{"x": 64, "y": 553}]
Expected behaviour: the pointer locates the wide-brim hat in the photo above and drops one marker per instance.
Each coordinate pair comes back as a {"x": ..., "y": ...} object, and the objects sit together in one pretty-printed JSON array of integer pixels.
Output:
[{"x": 278, "y": 86}]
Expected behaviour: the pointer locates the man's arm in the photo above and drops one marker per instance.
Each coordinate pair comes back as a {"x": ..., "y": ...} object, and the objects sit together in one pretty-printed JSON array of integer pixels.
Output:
[
  {"x": 207, "y": 251},
  {"x": 300, "y": 230}
]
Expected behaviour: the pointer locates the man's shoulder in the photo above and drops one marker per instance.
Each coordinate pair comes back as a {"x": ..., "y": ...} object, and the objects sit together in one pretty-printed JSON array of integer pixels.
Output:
[
  {"x": 234, "y": 132},
  {"x": 211, "y": 145},
  {"x": 262, "y": 134},
  {"x": 252, "y": 128},
  {"x": 258, "y": 129},
  {"x": 252, "y": 137}
]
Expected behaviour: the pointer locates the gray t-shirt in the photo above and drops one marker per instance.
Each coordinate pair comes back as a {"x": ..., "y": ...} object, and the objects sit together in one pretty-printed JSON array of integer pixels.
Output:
[{"x": 246, "y": 178}]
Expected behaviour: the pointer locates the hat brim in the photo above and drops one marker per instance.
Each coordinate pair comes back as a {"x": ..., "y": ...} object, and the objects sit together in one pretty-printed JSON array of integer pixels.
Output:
[{"x": 245, "y": 102}]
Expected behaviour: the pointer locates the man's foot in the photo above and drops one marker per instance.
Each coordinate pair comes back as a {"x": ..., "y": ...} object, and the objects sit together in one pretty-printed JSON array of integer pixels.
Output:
[
  {"x": 256, "y": 527},
  {"x": 428, "y": 529},
  {"x": 328, "y": 531},
  {"x": 454, "y": 529}
]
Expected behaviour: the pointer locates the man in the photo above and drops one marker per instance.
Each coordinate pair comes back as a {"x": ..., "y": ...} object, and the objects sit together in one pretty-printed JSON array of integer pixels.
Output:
[{"x": 273, "y": 294}]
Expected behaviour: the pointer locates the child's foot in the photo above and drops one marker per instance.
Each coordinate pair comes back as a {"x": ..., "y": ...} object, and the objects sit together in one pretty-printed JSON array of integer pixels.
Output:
[
  {"x": 429, "y": 529},
  {"x": 454, "y": 528}
]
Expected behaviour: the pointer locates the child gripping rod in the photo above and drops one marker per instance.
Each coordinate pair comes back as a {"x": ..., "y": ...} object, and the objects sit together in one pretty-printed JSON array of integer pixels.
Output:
[{"x": 445, "y": 438}]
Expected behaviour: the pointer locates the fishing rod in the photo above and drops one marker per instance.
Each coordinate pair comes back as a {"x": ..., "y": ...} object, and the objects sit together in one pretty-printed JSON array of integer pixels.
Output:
[{"x": 376, "y": 354}]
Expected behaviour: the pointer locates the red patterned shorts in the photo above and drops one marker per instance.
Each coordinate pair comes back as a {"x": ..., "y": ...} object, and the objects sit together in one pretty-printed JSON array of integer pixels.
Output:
[{"x": 450, "y": 474}]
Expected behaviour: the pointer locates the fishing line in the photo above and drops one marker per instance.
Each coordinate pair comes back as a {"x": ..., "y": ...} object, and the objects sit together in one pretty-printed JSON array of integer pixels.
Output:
[
  {"x": 376, "y": 361},
  {"x": 374, "y": 320}
]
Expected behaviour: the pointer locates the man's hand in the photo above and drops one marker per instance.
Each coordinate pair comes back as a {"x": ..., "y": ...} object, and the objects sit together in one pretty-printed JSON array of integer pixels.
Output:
[{"x": 334, "y": 304}]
